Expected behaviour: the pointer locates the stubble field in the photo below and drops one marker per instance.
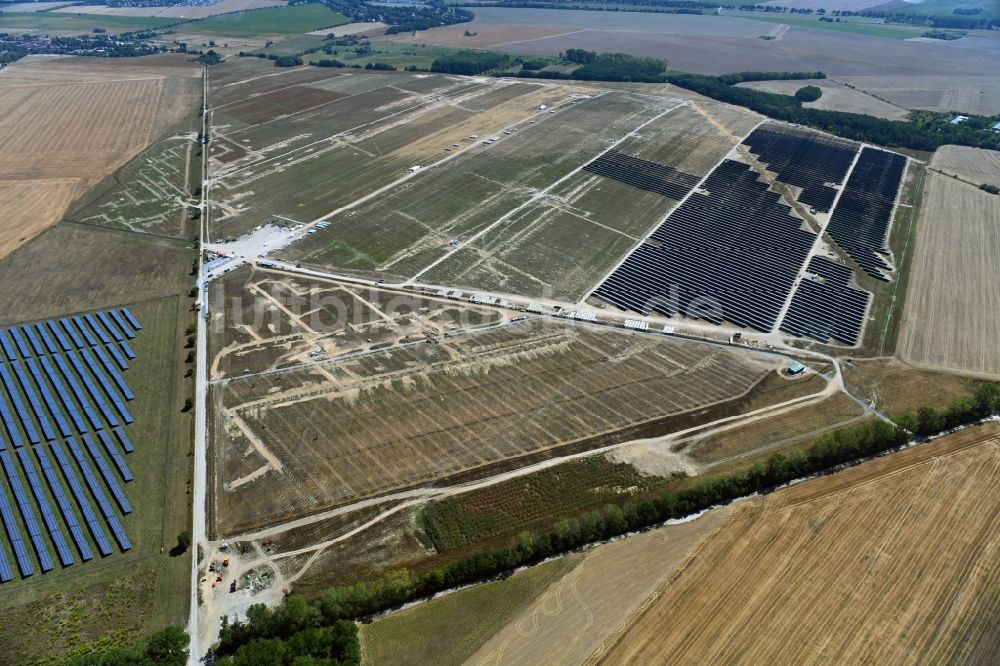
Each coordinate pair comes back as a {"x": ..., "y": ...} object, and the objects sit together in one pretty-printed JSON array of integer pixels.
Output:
[
  {"x": 67, "y": 125},
  {"x": 895, "y": 560},
  {"x": 836, "y": 97},
  {"x": 951, "y": 316},
  {"x": 974, "y": 165}
]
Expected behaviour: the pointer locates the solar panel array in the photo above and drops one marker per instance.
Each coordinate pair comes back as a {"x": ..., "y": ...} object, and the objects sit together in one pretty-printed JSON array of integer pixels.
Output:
[
  {"x": 826, "y": 306},
  {"x": 637, "y": 172},
  {"x": 804, "y": 159},
  {"x": 63, "y": 407},
  {"x": 729, "y": 255},
  {"x": 861, "y": 221}
]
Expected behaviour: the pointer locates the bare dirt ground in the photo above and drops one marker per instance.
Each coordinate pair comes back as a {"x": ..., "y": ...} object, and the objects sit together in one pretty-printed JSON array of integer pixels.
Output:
[
  {"x": 179, "y": 11},
  {"x": 893, "y": 561},
  {"x": 571, "y": 619},
  {"x": 896, "y": 387},
  {"x": 836, "y": 97},
  {"x": 486, "y": 36},
  {"x": 295, "y": 442},
  {"x": 975, "y": 165},
  {"x": 373, "y": 28},
  {"x": 951, "y": 318},
  {"x": 68, "y": 124},
  {"x": 966, "y": 93}
]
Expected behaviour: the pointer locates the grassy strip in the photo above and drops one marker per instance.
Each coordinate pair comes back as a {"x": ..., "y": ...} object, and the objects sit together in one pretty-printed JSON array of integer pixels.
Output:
[{"x": 43, "y": 21}]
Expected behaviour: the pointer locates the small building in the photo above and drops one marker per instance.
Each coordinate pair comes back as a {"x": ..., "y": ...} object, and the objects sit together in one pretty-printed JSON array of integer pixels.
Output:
[
  {"x": 795, "y": 368},
  {"x": 996, "y": 128},
  {"x": 959, "y": 119}
]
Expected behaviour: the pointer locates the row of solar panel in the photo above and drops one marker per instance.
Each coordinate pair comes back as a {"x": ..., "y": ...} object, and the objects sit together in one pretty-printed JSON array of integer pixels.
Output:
[
  {"x": 803, "y": 158},
  {"x": 860, "y": 223},
  {"x": 643, "y": 174},
  {"x": 71, "y": 333},
  {"x": 829, "y": 308},
  {"x": 732, "y": 255},
  {"x": 53, "y": 526}
]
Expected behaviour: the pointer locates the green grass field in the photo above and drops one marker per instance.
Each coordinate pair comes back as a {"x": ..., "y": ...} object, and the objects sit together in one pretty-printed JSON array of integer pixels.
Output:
[
  {"x": 43, "y": 21},
  {"x": 265, "y": 22},
  {"x": 851, "y": 25},
  {"x": 391, "y": 53},
  {"x": 291, "y": 46},
  {"x": 450, "y": 629}
]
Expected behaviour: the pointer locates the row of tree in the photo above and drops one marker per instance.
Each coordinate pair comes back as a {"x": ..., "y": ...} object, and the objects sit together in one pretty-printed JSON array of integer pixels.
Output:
[
  {"x": 470, "y": 62},
  {"x": 966, "y": 409},
  {"x": 363, "y": 599},
  {"x": 399, "y": 18},
  {"x": 924, "y": 131}
]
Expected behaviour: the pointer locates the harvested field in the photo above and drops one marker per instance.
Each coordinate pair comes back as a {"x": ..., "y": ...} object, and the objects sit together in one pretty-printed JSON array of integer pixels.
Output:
[
  {"x": 56, "y": 23},
  {"x": 473, "y": 401},
  {"x": 911, "y": 74},
  {"x": 950, "y": 320},
  {"x": 574, "y": 615},
  {"x": 269, "y": 21},
  {"x": 67, "y": 125},
  {"x": 177, "y": 11},
  {"x": 893, "y": 561},
  {"x": 975, "y": 165},
  {"x": 836, "y": 97},
  {"x": 30, "y": 206},
  {"x": 414, "y": 635}
]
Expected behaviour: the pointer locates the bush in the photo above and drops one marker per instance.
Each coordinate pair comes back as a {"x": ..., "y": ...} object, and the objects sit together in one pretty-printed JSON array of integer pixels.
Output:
[
  {"x": 380, "y": 66},
  {"x": 183, "y": 543},
  {"x": 328, "y": 62},
  {"x": 288, "y": 61},
  {"x": 470, "y": 62},
  {"x": 808, "y": 94}
]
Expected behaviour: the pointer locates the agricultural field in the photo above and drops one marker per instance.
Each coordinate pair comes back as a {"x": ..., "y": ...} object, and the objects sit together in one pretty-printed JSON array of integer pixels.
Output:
[
  {"x": 808, "y": 572},
  {"x": 70, "y": 122},
  {"x": 470, "y": 403},
  {"x": 949, "y": 321},
  {"x": 269, "y": 22},
  {"x": 175, "y": 12},
  {"x": 909, "y": 73},
  {"x": 836, "y": 97},
  {"x": 76, "y": 23},
  {"x": 972, "y": 165},
  {"x": 896, "y": 387}
]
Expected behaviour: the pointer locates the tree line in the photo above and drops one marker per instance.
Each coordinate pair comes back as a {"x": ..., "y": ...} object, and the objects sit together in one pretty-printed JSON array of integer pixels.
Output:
[
  {"x": 402, "y": 18},
  {"x": 923, "y": 131}
]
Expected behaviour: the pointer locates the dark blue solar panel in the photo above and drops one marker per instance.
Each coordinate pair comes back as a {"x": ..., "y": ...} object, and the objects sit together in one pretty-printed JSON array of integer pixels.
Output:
[
  {"x": 8, "y": 346},
  {"x": 109, "y": 326},
  {"x": 89, "y": 517},
  {"x": 10, "y": 423},
  {"x": 27, "y": 512},
  {"x": 123, "y": 325},
  {"x": 43, "y": 334},
  {"x": 98, "y": 493},
  {"x": 36, "y": 343},
  {"x": 131, "y": 319},
  {"x": 92, "y": 389},
  {"x": 97, "y": 328},
  {"x": 33, "y": 400},
  {"x": 58, "y": 333},
  {"x": 63, "y": 394},
  {"x": 127, "y": 349},
  {"x": 117, "y": 355},
  {"x": 116, "y": 456},
  {"x": 19, "y": 408},
  {"x": 112, "y": 370},
  {"x": 85, "y": 330},
  {"x": 14, "y": 535},
  {"x": 6, "y": 575},
  {"x": 81, "y": 397},
  {"x": 107, "y": 385},
  {"x": 124, "y": 440},
  {"x": 48, "y": 515},
  {"x": 109, "y": 476},
  {"x": 74, "y": 334},
  {"x": 22, "y": 346},
  {"x": 65, "y": 508}
]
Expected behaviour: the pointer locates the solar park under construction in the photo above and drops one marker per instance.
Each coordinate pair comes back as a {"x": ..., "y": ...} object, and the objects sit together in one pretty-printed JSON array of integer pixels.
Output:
[{"x": 62, "y": 445}]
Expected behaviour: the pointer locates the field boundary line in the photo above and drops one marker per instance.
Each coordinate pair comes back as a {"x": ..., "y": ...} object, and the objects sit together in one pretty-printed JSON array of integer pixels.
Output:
[{"x": 902, "y": 261}]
